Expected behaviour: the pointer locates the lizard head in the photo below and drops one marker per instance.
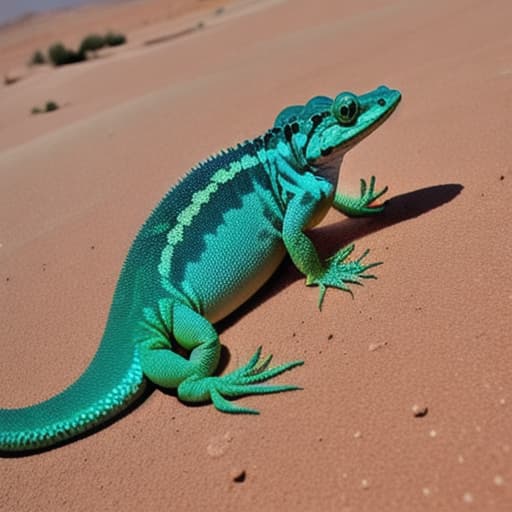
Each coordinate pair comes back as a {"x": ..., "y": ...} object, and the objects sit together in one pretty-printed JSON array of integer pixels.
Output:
[{"x": 323, "y": 130}]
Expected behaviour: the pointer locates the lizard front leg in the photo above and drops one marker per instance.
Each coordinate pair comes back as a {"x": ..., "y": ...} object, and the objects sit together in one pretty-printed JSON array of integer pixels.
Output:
[
  {"x": 362, "y": 205},
  {"x": 335, "y": 272}
]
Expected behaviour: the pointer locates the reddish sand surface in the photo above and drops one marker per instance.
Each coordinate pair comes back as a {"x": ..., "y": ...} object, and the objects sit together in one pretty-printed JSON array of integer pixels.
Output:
[{"x": 432, "y": 332}]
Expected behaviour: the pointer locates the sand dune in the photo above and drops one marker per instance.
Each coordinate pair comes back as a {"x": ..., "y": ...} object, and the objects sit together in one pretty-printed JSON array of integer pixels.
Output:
[{"x": 433, "y": 331}]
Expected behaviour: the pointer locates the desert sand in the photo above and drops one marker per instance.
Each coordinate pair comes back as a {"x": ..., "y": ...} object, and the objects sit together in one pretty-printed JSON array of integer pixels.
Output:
[{"x": 433, "y": 332}]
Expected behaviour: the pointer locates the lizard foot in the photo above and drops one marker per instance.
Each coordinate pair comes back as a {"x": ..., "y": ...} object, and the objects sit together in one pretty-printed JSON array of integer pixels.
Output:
[
  {"x": 339, "y": 272},
  {"x": 361, "y": 206},
  {"x": 245, "y": 380}
]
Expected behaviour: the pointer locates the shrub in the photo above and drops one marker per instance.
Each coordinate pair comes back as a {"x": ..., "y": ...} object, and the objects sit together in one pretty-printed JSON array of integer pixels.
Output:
[
  {"x": 92, "y": 43},
  {"x": 51, "y": 106},
  {"x": 9, "y": 80},
  {"x": 37, "y": 58},
  {"x": 114, "y": 39},
  {"x": 60, "y": 55}
]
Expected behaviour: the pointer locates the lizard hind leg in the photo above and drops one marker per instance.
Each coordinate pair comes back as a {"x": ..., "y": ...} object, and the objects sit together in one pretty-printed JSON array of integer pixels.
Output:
[
  {"x": 193, "y": 376},
  {"x": 175, "y": 320},
  {"x": 245, "y": 380}
]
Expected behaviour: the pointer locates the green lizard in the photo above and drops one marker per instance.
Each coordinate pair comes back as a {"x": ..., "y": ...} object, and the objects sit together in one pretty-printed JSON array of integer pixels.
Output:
[{"x": 212, "y": 241}]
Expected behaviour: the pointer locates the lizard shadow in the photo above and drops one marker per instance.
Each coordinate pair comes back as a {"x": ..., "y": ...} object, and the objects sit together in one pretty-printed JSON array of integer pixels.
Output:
[{"x": 329, "y": 239}]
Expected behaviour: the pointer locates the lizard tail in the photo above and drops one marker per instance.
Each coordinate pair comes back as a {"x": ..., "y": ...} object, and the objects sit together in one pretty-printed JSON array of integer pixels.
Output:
[{"x": 113, "y": 380}]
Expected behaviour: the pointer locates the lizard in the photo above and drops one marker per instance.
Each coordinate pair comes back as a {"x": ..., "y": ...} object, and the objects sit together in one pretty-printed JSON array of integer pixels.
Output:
[{"x": 213, "y": 240}]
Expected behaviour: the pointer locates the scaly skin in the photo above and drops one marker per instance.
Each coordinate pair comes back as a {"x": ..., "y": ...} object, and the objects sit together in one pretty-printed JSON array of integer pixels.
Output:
[{"x": 212, "y": 241}]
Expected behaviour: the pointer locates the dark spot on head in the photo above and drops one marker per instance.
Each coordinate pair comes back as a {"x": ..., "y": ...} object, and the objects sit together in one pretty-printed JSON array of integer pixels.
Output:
[
  {"x": 268, "y": 137},
  {"x": 288, "y": 132},
  {"x": 316, "y": 119},
  {"x": 381, "y": 102},
  {"x": 276, "y": 129},
  {"x": 326, "y": 151},
  {"x": 295, "y": 127}
]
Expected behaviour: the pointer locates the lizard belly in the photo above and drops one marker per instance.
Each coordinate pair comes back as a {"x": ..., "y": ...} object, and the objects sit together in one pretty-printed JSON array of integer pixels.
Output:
[
  {"x": 237, "y": 256},
  {"x": 220, "y": 293}
]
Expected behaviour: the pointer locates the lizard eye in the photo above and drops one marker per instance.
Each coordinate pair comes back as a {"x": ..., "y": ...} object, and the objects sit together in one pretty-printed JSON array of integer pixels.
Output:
[{"x": 346, "y": 108}]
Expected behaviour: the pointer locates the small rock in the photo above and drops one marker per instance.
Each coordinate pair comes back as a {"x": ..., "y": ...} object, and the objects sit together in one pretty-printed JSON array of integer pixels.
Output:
[
  {"x": 376, "y": 346},
  {"x": 498, "y": 480},
  {"x": 468, "y": 497},
  {"x": 419, "y": 411},
  {"x": 238, "y": 475},
  {"x": 218, "y": 445}
]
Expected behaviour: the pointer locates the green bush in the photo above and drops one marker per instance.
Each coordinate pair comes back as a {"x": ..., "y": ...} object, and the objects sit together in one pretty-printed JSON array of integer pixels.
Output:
[
  {"x": 51, "y": 106},
  {"x": 37, "y": 58},
  {"x": 114, "y": 39},
  {"x": 92, "y": 43},
  {"x": 59, "y": 55}
]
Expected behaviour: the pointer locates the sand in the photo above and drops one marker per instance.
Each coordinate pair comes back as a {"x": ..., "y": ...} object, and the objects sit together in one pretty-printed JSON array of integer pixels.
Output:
[{"x": 432, "y": 333}]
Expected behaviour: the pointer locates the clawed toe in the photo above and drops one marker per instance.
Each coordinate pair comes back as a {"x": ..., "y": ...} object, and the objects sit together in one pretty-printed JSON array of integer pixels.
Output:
[{"x": 243, "y": 381}]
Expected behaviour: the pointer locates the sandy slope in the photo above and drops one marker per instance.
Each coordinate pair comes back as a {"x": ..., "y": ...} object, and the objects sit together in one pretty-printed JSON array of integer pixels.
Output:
[{"x": 433, "y": 330}]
